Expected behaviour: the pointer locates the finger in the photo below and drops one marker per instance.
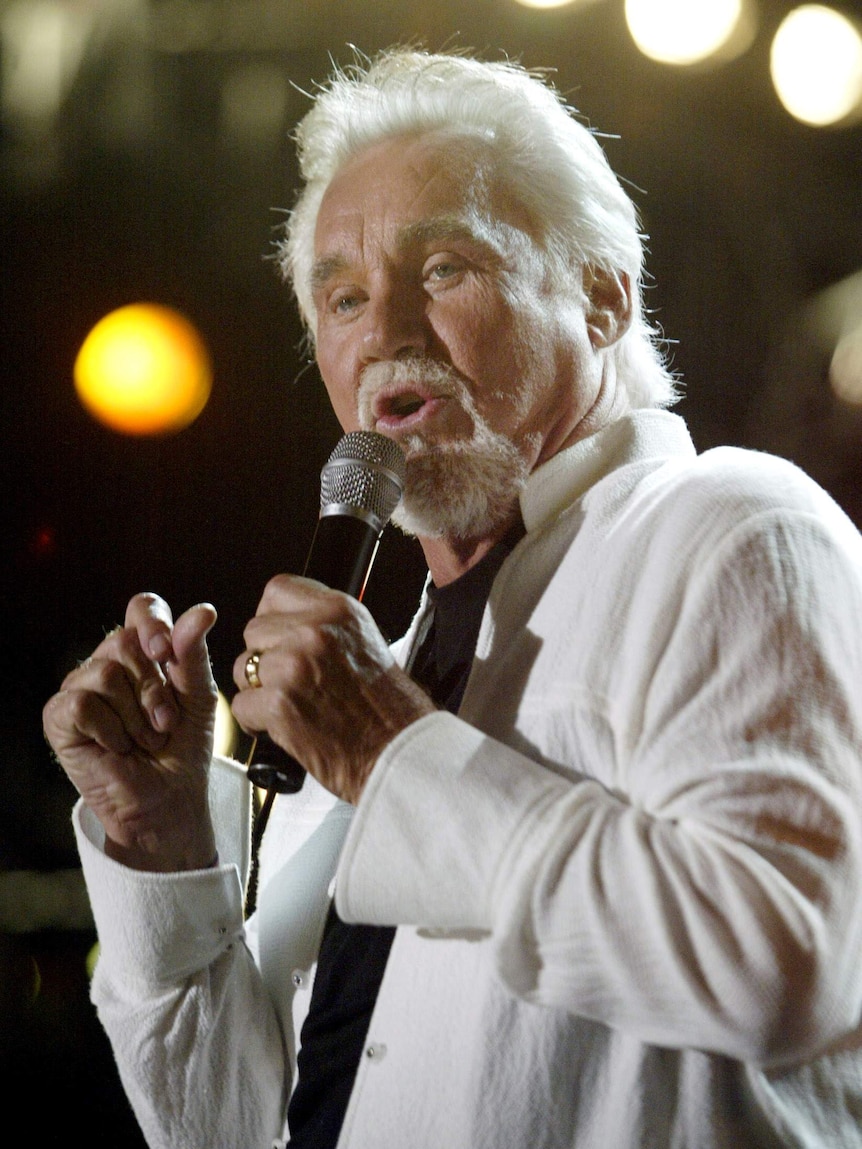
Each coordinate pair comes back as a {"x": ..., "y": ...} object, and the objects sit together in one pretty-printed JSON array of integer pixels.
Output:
[
  {"x": 108, "y": 717},
  {"x": 189, "y": 669},
  {"x": 286, "y": 593},
  {"x": 246, "y": 676},
  {"x": 151, "y": 617},
  {"x": 294, "y": 605},
  {"x": 241, "y": 667},
  {"x": 123, "y": 647},
  {"x": 71, "y": 719}
]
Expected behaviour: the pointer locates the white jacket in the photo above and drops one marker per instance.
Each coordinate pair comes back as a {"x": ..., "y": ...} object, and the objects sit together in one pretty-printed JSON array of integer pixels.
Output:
[{"x": 627, "y": 876}]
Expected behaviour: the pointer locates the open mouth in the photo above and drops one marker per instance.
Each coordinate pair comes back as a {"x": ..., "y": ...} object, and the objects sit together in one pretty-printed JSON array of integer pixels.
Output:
[
  {"x": 404, "y": 408},
  {"x": 403, "y": 405}
]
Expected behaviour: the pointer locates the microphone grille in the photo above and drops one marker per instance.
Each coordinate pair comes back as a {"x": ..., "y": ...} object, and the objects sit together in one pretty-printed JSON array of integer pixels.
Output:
[{"x": 364, "y": 473}]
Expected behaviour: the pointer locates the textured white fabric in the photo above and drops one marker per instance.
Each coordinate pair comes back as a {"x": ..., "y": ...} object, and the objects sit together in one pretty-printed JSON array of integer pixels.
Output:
[{"x": 627, "y": 876}]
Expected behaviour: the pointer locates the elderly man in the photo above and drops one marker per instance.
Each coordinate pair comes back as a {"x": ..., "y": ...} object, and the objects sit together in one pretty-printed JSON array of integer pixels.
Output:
[{"x": 593, "y": 827}]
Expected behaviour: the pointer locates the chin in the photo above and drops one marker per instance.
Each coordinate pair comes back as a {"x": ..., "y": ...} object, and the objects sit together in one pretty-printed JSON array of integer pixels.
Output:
[{"x": 460, "y": 490}]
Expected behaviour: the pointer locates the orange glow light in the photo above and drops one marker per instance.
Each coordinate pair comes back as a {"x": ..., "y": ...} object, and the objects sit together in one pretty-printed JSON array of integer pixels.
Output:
[{"x": 144, "y": 370}]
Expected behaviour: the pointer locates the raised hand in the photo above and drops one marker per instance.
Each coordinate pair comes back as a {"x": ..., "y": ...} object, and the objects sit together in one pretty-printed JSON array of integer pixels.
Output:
[{"x": 133, "y": 729}]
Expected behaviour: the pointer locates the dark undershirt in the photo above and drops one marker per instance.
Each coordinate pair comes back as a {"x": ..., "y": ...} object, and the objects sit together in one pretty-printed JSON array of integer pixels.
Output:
[{"x": 353, "y": 958}]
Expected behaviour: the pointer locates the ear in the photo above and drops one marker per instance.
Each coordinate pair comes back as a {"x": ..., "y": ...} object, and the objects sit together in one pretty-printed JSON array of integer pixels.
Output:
[{"x": 609, "y": 305}]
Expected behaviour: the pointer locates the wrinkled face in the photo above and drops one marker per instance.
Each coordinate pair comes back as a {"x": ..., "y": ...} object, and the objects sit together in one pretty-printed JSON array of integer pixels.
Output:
[{"x": 437, "y": 324}]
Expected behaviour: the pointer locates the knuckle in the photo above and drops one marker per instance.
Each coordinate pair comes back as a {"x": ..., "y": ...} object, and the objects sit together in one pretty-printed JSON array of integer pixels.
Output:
[
  {"x": 279, "y": 583},
  {"x": 299, "y": 667},
  {"x": 275, "y": 591},
  {"x": 339, "y": 608},
  {"x": 125, "y": 641},
  {"x": 79, "y": 705},
  {"x": 108, "y": 676},
  {"x": 318, "y": 644}
]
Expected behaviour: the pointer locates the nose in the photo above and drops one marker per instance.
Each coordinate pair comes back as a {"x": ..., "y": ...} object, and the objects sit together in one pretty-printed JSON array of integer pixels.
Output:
[{"x": 396, "y": 324}]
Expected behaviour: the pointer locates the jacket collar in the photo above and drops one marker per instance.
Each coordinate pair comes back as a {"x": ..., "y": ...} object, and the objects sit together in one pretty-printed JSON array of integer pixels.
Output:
[{"x": 639, "y": 435}]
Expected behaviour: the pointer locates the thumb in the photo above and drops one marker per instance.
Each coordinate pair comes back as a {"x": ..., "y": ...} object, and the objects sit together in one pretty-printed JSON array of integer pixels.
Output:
[{"x": 189, "y": 668}]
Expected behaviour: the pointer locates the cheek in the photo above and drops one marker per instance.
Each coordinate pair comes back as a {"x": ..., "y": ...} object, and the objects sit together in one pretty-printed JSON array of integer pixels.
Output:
[
  {"x": 341, "y": 392},
  {"x": 480, "y": 337}
]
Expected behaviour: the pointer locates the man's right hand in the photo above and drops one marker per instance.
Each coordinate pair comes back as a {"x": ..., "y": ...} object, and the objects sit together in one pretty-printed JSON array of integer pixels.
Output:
[{"x": 133, "y": 729}]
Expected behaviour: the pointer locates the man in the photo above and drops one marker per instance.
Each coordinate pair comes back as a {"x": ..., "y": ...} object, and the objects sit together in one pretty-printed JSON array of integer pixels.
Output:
[{"x": 614, "y": 807}]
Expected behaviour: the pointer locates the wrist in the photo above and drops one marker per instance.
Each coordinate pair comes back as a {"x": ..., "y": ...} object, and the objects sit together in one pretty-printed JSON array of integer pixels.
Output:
[{"x": 153, "y": 854}]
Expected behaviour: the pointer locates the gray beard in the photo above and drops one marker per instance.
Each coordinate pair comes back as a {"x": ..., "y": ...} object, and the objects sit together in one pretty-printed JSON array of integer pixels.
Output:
[{"x": 462, "y": 489}]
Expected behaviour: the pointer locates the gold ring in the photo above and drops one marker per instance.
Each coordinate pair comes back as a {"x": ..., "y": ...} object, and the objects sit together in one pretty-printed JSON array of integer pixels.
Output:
[{"x": 251, "y": 675}]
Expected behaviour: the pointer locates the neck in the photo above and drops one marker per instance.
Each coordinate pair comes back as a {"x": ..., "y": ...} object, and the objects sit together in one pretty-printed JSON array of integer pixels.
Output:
[{"x": 448, "y": 557}]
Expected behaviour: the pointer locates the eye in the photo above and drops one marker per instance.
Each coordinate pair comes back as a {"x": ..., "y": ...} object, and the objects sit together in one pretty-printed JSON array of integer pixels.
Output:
[
  {"x": 442, "y": 268},
  {"x": 344, "y": 301}
]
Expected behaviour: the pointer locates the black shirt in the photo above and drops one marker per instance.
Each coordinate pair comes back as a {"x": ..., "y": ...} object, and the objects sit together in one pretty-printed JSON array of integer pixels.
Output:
[{"x": 353, "y": 958}]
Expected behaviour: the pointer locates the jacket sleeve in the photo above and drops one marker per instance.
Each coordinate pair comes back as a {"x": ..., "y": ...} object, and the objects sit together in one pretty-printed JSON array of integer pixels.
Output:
[
  {"x": 194, "y": 1034},
  {"x": 715, "y": 901}
]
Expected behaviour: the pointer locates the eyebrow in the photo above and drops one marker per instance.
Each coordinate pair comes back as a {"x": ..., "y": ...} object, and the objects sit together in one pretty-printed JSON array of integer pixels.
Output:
[
  {"x": 419, "y": 234},
  {"x": 322, "y": 270}
]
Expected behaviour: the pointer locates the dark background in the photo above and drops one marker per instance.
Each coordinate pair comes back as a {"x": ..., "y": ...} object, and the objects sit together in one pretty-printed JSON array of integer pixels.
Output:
[{"x": 138, "y": 189}]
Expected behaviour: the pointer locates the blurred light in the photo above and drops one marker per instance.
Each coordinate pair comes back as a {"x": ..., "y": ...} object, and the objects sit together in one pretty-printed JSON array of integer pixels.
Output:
[
  {"x": 226, "y": 729},
  {"x": 42, "y": 543},
  {"x": 32, "y": 900},
  {"x": 835, "y": 318},
  {"x": 689, "y": 31},
  {"x": 845, "y": 369},
  {"x": 254, "y": 103},
  {"x": 91, "y": 960},
  {"x": 144, "y": 370},
  {"x": 816, "y": 65},
  {"x": 43, "y": 43},
  {"x": 548, "y": 3},
  {"x": 36, "y": 981}
]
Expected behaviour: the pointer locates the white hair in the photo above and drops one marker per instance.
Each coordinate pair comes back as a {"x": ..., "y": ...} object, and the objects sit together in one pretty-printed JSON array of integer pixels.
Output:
[{"x": 550, "y": 162}]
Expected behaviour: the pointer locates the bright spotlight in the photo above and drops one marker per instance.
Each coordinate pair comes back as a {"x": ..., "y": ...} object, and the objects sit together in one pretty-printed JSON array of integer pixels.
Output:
[
  {"x": 845, "y": 368},
  {"x": 144, "y": 370},
  {"x": 836, "y": 323},
  {"x": 686, "y": 32},
  {"x": 550, "y": 3},
  {"x": 226, "y": 729},
  {"x": 816, "y": 65}
]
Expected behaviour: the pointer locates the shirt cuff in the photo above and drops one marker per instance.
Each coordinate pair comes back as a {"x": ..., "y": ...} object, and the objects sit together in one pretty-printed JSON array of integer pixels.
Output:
[{"x": 156, "y": 929}]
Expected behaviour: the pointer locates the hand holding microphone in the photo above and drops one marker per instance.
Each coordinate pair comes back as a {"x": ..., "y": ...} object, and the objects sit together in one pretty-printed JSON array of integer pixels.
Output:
[{"x": 317, "y": 676}]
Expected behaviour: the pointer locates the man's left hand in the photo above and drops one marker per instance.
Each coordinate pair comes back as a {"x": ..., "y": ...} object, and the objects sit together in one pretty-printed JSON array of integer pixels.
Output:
[{"x": 330, "y": 692}]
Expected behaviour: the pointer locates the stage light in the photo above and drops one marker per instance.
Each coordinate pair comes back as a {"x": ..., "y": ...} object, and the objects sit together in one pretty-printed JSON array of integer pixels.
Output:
[
  {"x": 845, "y": 368},
  {"x": 682, "y": 32},
  {"x": 549, "y": 3},
  {"x": 91, "y": 960},
  {"x": 144, "y": 370},
  {"x": 816, "y": 65},
  {"x": 226, "y": 729},
  {"x": 835, "y": 321}
]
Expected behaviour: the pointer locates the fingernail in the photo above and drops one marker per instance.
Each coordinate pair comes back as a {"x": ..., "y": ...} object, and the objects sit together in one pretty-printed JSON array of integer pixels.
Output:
[
  {"x": 163, "y": 717},
  {"x": 160, "y": 648}
]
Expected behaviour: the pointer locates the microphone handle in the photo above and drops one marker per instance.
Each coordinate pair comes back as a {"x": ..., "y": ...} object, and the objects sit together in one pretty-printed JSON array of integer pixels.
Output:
[
  {"x": 341, "y": 556},
  {"x": 342, "y": 552}
]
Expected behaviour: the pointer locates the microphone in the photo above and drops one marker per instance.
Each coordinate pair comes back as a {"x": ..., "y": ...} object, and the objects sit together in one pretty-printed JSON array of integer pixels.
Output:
[{"x": 360, "y": 486}]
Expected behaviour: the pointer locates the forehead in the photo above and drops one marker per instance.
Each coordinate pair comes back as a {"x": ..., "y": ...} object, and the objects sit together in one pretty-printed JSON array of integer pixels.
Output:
[{"x": 415, "y": 190}]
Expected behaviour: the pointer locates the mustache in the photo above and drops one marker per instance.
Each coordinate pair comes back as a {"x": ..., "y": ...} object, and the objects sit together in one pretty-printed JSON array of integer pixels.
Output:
[{"x": 430, "y": 377}]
